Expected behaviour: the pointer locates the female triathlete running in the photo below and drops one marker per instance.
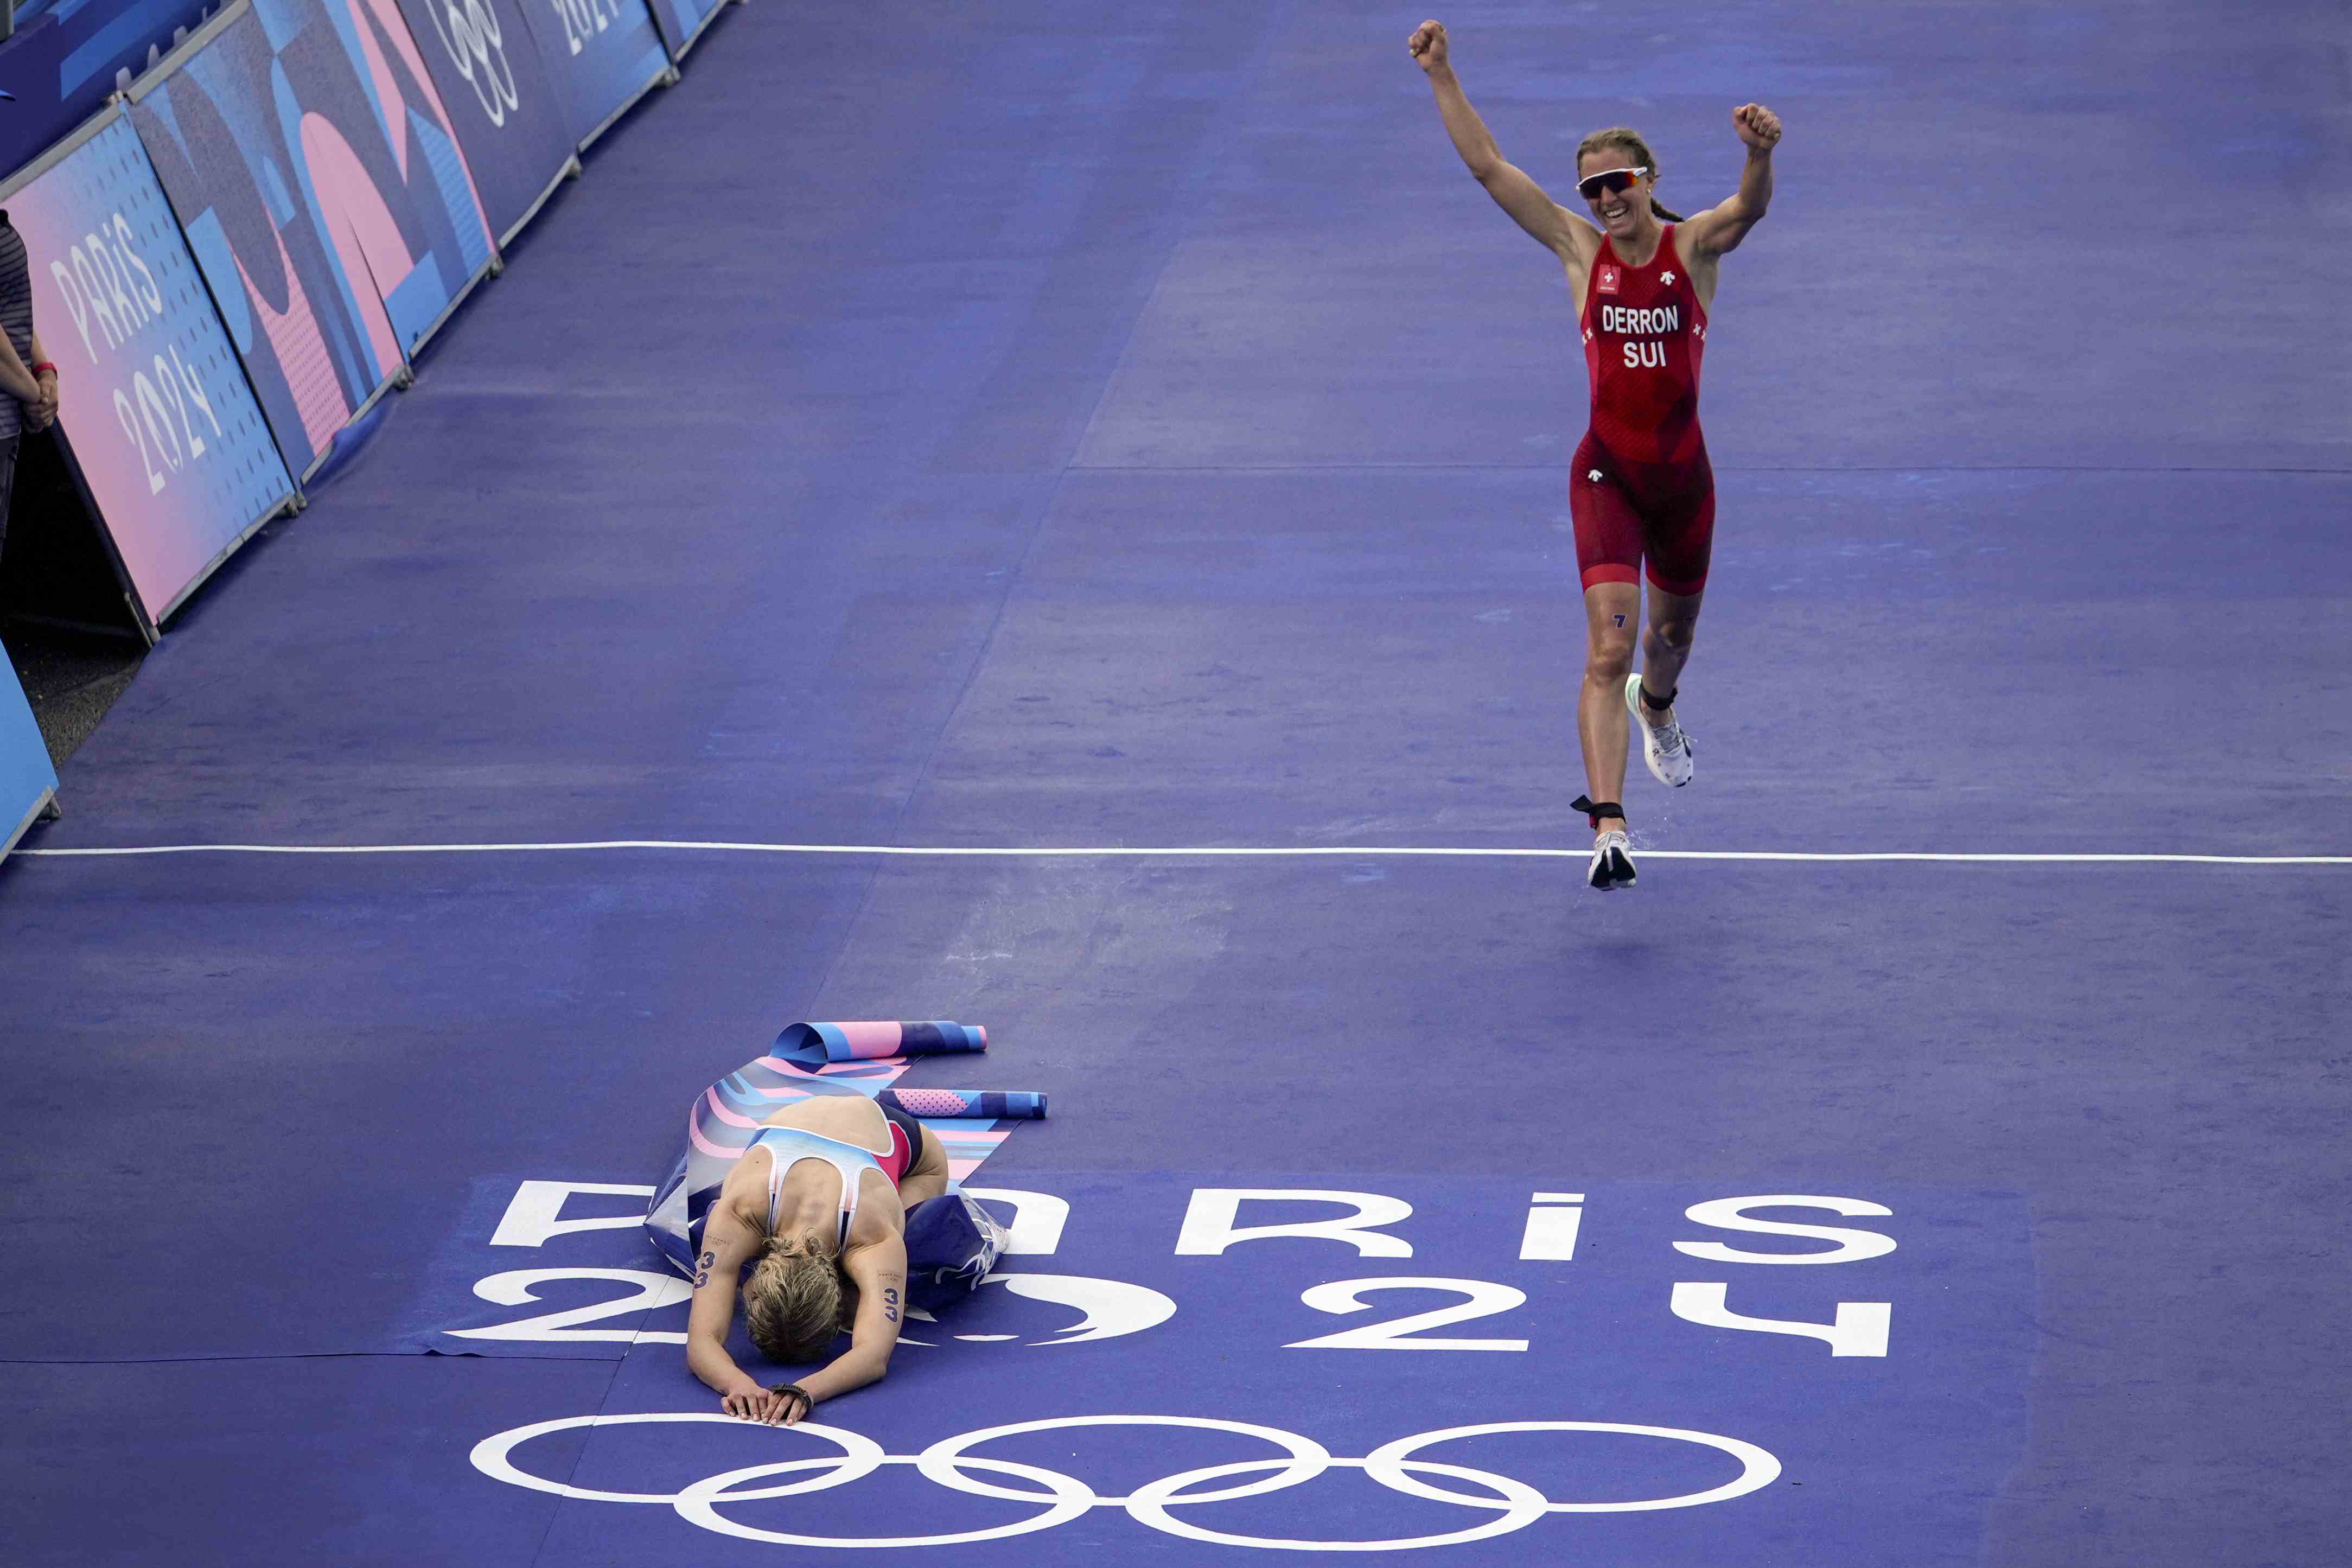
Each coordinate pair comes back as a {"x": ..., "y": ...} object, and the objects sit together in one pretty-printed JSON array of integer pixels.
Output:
[{"x": 1641, "y": 491}]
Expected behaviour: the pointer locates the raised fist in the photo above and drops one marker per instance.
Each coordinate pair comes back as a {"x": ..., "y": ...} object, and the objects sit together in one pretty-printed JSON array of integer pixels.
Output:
[
  {"x": 1758, "y": 126},
  {"x": 1427, "y": 44}
]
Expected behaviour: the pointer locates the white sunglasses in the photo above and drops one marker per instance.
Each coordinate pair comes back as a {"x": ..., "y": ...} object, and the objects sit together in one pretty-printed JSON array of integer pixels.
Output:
[{"x": 1592, "y": 185}]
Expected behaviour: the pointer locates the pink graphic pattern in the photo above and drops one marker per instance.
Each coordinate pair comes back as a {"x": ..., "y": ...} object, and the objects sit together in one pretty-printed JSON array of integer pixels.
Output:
[
  {"x": 934, "y": 1102},
  {"x": 301, "y": 354},
  {"x": 367, "y": 235}
]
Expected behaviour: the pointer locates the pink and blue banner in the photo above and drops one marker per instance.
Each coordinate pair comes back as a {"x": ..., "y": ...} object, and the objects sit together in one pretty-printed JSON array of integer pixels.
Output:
[
  {"x": 169, "y": 439},
  {"x": 313, "y": 165},
  {"x": 27, "y": 778}
]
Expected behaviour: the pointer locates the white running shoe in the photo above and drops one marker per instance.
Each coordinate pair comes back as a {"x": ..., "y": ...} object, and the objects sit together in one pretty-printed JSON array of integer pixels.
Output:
[
  {"x": 1665, "y": 749},
  {"x": 1612, "y": 866}
]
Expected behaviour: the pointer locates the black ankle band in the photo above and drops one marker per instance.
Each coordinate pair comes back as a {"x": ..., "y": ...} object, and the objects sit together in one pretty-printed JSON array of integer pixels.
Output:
[
  {"x": 1594, "y": 810},
  {"x": 1658, "y": 703}
]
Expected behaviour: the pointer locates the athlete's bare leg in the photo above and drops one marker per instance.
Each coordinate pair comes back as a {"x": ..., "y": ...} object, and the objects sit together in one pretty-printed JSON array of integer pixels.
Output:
[
  {"x": 1666, "y": 646},
  {"x": 1612, "y": 613}
]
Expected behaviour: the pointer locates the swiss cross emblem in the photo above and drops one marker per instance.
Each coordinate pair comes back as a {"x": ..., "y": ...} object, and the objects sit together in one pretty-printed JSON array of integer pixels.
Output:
[{"x": 1608, "y": 284}]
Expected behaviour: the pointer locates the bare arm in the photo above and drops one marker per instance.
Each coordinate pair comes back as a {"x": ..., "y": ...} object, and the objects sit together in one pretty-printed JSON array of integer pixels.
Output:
[
  {"x": 1721, "y": 228},
  {"x": 14, "y": 379},
  {"x": 1552, "y": 226},
  {"x": 879, "y": 1269},
  {"x": 727, "y": 1245}
]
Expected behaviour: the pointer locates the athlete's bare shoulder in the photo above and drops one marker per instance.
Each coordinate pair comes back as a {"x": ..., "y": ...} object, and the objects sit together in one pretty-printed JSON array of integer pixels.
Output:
[{"x": 1583, "y": 240}]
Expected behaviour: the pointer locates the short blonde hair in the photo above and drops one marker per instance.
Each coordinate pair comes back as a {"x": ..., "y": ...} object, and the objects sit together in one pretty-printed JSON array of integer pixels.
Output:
[{"x": 792, "y": 1302}]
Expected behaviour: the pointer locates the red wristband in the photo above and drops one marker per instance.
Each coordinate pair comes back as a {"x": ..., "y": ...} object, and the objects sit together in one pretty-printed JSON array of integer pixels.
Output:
[{"x": 45, "y": 365}]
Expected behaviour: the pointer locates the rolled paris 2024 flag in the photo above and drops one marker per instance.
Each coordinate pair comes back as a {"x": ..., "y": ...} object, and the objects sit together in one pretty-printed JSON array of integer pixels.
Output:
[
  {"x": 807, "y": 1060},
  {"x": 812, "y": 1045},
  {"x": 996, "y": 1104}
]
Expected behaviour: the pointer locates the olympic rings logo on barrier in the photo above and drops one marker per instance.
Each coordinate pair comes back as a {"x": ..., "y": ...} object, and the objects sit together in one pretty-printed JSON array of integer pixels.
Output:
[
  {"x": 477, "y": 43},
  {"x": 1513, "y": 1504}
]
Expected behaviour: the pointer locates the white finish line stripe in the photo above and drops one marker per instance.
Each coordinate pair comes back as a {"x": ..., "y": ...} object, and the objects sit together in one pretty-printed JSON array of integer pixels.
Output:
[{"x": 1357, "y": 852}]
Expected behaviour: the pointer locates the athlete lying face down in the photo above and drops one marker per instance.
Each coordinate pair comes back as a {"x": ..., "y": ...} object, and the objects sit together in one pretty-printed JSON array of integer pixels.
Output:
[
  {"x": 1641, "y": 491},
  {"x": 817, "y": 1206}
]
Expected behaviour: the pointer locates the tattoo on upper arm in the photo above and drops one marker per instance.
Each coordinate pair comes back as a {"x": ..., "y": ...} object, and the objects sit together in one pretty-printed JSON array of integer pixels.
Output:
[
  {"x": 891, "y": 1303},
  {"x": 702, "y": 1269}
]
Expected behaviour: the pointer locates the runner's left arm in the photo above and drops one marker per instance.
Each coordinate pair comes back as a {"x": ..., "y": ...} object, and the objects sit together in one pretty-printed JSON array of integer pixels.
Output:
[
  {"x": 1721, "y": 228},
  {"x": 879, "y": 1269}
]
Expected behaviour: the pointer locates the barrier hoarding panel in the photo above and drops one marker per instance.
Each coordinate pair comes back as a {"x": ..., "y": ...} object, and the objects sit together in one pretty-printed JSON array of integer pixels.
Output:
[
  {"x": 310, "y": 162},
  {"x": 172, "y": 445},
  {"x": 514, "y": 129},
  {"x": 603, "y": 55},
  {"x": 682, "y": 21},
  {"x": 26, "y": 780}
]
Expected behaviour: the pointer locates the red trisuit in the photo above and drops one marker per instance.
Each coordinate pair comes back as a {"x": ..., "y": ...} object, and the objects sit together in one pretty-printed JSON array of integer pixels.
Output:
[{"x": 1641, "y": 489}]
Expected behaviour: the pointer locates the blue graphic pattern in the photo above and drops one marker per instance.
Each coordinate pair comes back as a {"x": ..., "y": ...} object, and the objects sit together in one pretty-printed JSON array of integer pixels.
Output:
[{"x": 449, "y": 176}]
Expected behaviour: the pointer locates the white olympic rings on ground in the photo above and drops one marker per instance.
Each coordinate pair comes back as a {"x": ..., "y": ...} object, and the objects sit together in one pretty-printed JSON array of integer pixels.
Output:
[{"x": 1513, "y": 1504}]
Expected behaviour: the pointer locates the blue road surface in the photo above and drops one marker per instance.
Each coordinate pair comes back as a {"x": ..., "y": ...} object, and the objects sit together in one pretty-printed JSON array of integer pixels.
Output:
[{"x": 1068, "y": 446}]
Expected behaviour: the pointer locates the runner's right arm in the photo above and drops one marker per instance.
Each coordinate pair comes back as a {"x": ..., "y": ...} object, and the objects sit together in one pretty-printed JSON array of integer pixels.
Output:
[
  {"x": 727, "y": 1245},
  {"x": 1552, "y": 226}
]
